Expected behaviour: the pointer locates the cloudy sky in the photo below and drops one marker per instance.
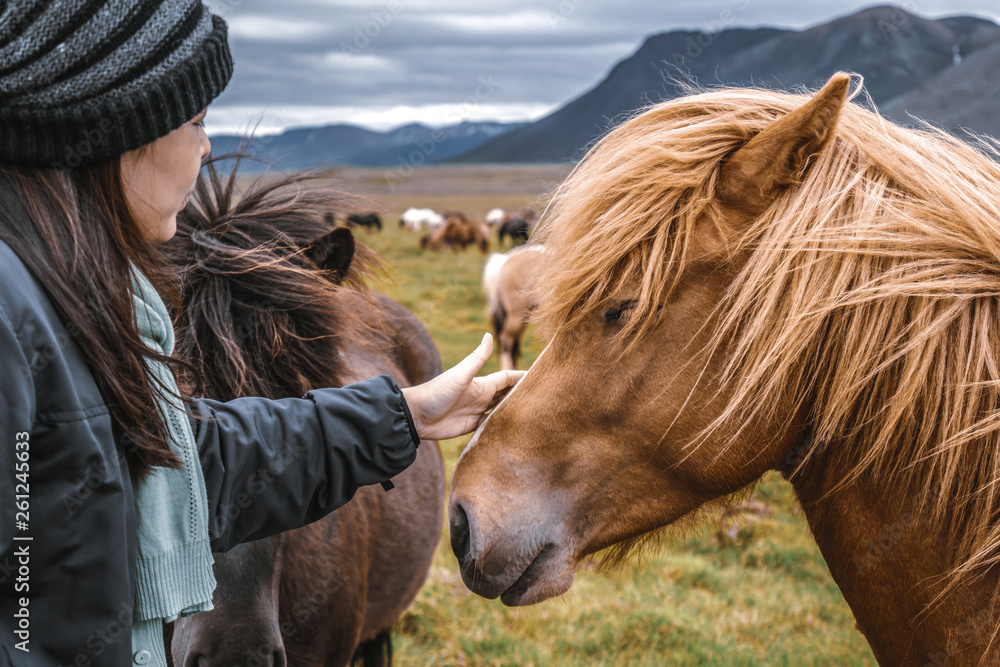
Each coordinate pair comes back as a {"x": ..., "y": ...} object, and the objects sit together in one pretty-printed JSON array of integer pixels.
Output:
[{"x": 383, "y": 63}]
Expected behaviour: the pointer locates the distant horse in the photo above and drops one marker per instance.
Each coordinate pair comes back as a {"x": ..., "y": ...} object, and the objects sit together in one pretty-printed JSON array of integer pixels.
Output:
[
  {"x": 746, "y": 280},
  {"x": 516, "y": 229},
  {"x": 370, "y": 221},
  {"x": 497, "y": 216},
  {"x": 274, "y": 304},
  {"x": 507, "y": 284},
  {"x": 458, "y": 232},
  {"x": 416, "y": 219}
]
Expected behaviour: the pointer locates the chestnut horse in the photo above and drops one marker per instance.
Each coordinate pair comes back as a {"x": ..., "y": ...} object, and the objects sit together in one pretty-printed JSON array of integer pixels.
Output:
[
  {"x": 746, "y": 280},
  {"x": 507, "y": 284},
  {"x": 275, "y": 304},
  {"x": 457, "y": 232}
]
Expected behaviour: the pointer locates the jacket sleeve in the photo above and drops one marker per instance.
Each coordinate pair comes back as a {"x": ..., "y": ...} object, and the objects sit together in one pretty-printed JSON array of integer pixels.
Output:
[{"x": 275, "y": 465}]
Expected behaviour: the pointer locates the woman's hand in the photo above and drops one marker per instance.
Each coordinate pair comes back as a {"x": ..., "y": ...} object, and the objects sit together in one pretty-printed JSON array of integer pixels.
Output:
[{"x": 454, "y": 403}]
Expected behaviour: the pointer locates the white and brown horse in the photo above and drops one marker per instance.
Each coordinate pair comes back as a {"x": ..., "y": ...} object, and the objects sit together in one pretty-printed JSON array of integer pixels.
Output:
[{"x": 507, "y": 285}]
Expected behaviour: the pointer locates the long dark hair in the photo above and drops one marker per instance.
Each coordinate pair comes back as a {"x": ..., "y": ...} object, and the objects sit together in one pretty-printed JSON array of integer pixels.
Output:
[{"x": 75, "y": 233}]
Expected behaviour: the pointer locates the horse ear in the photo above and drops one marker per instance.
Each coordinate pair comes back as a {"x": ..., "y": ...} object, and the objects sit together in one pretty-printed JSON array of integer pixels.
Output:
[
  {"x": 756, "y": 173},
  {"x": 333, "y": 252}
]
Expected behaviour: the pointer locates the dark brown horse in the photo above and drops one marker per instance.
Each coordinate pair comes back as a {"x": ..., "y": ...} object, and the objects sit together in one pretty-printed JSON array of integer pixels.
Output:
[
  {"x": 517, "y": 229},
  {"x": 371, "y": 220},
  {"x": 747, "y": 280},
  {"x": 275, "y": 304}
]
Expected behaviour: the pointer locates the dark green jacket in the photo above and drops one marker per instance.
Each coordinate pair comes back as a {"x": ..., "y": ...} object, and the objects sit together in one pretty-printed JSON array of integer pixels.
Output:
[{"x": 67, "y": 525}]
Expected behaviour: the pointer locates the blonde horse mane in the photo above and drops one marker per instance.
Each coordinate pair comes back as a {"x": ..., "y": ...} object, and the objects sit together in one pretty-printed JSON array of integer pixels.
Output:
[{"x": 870, "y": 292}]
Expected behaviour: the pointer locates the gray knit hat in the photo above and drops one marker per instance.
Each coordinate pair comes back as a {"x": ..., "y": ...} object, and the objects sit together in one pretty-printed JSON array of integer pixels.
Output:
[{"x": 83, "y": 81}]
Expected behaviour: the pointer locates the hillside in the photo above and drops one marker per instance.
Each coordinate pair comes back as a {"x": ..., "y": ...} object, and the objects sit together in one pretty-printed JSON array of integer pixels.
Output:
[
  {"x": 340, "y": 145},
  {"x": 896, "y": 52},
  {"x": 965, "y": 95}
]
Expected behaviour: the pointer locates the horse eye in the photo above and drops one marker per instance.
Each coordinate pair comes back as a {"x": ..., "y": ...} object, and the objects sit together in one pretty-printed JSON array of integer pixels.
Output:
[{"x": 615, "y": 313}]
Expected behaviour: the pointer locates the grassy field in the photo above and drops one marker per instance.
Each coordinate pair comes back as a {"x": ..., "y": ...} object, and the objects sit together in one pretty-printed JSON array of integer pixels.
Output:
[{"x": 749, "y": 592}]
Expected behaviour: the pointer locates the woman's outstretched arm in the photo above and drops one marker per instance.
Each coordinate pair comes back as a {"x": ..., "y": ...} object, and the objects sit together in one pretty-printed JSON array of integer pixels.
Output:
[{"x": 274, "y": 465}]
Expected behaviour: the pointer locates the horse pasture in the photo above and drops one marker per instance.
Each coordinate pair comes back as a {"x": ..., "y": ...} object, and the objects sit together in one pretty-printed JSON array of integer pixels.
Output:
[{"x": 747, "y": 588}]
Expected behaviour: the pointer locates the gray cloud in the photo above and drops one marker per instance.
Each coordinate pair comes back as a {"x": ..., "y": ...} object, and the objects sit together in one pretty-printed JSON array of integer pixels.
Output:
[{"x": 387, "y": 62}]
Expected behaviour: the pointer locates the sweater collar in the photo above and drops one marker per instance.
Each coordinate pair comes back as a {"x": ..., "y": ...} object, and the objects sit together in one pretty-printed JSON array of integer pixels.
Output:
[{"x": 151, "y": 315}]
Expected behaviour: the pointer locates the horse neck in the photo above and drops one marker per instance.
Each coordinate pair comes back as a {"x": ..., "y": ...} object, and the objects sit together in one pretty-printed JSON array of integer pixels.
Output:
[
  {"x": 276, "y": 365},
  {"x": 889, "y": 565}
]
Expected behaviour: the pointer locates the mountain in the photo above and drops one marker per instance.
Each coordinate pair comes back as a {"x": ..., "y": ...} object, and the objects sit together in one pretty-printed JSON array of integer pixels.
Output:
[
  {"x": 896, "y": 52},
  {"x": 343, "y": 145},
  {"x": 965, "y": 95},
  {"x": 635, "y": 82}
]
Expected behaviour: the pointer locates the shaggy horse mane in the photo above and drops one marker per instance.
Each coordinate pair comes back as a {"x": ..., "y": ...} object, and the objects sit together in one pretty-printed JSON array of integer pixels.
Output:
[
  {"x": 259, "y": 317},
  {"x": 869, "y": 292}
]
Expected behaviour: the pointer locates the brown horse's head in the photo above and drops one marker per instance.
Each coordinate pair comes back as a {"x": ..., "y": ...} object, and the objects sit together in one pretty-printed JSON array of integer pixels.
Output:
[
  {"x": 623, "y": 425},
  {"x": 243, "y": 626}
]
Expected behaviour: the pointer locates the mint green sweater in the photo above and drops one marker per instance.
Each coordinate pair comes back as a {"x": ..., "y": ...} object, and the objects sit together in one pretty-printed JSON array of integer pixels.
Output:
[{"x": 174, "y": 569}]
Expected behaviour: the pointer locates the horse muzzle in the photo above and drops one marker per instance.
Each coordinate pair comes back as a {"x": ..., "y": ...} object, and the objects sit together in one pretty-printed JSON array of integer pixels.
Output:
[{"x": 521, "y": 568}]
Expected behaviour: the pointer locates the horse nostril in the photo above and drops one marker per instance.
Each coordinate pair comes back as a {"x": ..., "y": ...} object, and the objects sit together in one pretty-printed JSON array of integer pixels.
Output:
[{"x": 459, "y": 525}]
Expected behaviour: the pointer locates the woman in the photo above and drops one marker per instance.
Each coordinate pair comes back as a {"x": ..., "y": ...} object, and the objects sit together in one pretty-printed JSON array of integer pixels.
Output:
[{"x": 108, "y": 478}]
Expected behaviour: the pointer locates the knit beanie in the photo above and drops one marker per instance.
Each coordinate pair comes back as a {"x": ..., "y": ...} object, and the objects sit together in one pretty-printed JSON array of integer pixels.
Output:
[{"x": 83, "y": 81}]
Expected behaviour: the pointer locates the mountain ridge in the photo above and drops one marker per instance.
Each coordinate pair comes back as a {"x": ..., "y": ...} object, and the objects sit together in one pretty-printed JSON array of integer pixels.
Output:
[
  {"x": 895, "y": 51},
  {"x": 344, "y": 144}
]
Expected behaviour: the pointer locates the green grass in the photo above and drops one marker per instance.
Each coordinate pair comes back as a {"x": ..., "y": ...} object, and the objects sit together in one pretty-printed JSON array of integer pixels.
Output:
[{"x": 701, "y": 598}]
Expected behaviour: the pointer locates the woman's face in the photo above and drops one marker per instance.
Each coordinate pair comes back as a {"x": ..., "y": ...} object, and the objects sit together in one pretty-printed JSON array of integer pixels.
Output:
[{"x": 159, "y": 176}]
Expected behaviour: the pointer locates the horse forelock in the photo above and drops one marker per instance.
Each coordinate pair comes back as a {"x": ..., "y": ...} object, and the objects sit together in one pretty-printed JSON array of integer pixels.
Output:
[
  {"x": 258, "y": 317},
  {"x": 870, "y": 291}
]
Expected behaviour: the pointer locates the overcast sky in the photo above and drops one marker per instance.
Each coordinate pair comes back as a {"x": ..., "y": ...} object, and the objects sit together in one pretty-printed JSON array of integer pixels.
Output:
[{"x": 383, "y": 63}]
